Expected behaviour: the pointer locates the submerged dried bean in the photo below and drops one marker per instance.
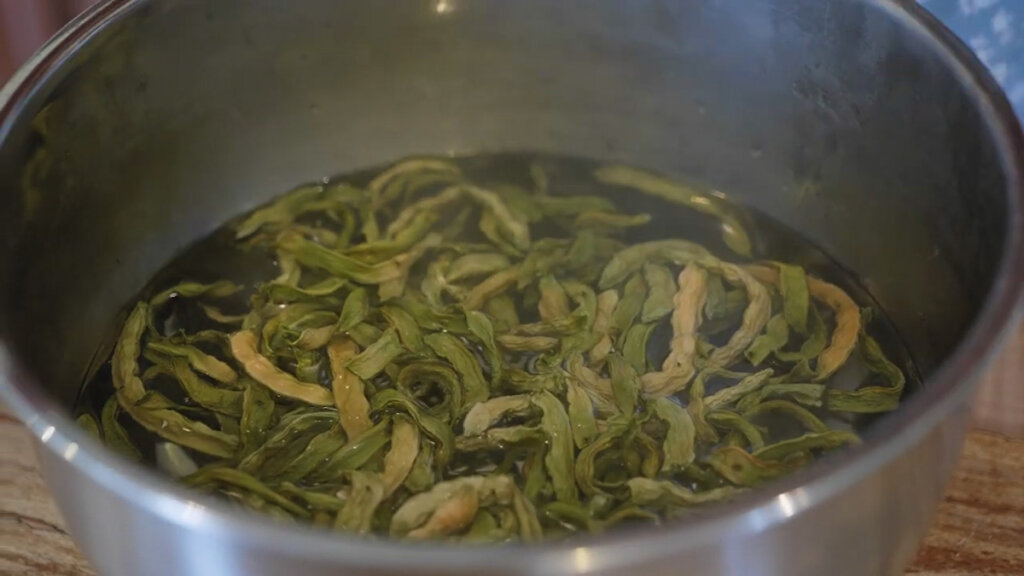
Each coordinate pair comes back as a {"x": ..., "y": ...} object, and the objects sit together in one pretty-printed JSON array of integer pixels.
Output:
[
  {"x": 161, "y": 420},
  {"x": 348, "y": 389},
  {"x": 260, "y": 369},
  {"x": 440, "y": 357}
]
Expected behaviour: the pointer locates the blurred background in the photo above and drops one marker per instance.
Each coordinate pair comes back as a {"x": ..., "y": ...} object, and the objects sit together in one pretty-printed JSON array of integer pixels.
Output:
[
  {"x": 994, "y": 29},
  {"x": 26, "y": 24}
]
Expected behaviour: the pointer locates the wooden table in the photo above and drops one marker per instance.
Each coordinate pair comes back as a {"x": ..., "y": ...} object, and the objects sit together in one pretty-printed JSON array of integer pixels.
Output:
[{"x": 979, "y": 528}]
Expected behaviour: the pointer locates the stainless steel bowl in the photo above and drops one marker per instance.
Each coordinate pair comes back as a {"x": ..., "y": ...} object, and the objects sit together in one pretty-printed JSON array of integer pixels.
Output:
[{"x": 862, "y": 123}]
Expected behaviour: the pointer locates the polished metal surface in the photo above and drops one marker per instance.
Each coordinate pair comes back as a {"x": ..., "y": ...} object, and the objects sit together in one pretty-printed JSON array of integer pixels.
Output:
[{"x": 862, "y": 123}]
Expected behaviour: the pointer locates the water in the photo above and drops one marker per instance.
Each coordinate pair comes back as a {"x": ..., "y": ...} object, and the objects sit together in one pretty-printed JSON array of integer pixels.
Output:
[{"x": 219, "y": 256}]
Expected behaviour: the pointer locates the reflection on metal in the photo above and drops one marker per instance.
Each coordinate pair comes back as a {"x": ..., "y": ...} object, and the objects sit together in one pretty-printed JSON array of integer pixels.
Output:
[
  {"x": 443, "y": 6},
  {"x": 793, "y": 502},
  {"x": 581, "y": 560},
  {"x": 193, "y": 514},
  {"x": 786, "y": 505}
]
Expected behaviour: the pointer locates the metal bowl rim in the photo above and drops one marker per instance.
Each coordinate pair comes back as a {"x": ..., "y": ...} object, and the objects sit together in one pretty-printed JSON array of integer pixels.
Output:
[{"x": 826, "y": 479}]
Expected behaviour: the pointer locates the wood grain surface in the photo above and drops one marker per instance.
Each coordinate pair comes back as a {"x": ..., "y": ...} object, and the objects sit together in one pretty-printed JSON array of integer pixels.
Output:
[
  {"x": 979, "y": 528},
  {"x": 999, "y": 406},
  {"x": 32, "y": 538}
]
